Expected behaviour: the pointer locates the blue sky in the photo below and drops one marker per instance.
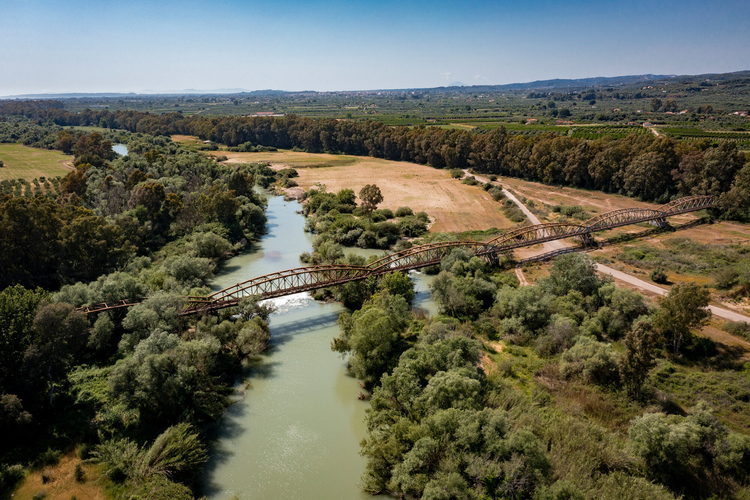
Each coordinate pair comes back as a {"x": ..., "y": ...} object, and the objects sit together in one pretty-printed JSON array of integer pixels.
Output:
[{"x": 96, "y": 46}]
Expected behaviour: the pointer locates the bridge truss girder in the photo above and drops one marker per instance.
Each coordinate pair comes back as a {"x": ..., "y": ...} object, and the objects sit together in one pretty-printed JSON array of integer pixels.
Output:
[{"x": 304, "y": 279}]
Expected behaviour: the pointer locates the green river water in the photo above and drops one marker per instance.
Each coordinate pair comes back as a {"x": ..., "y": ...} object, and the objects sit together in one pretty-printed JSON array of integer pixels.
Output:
[{"x": 295, "y": 428}]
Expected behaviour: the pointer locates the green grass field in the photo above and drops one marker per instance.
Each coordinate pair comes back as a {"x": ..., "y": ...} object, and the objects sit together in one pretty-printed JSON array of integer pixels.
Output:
[
  {"x": 23, "y": 162},
  {"x": 90, "y": 129}
]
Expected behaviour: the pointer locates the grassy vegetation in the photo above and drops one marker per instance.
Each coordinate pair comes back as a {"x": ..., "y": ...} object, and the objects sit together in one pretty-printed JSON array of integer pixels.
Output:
[
  {"x": 722, "y": 266},
  {"x": 23, "y": 162},
  {"x": 556, "y": 363},
  {"x": 69, "y": 478}
]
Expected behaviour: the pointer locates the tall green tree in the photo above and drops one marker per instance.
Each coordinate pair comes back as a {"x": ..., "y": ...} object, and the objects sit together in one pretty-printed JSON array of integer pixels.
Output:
[
  {"x": 59, "y": 334},
  {"x": 638, "y": 358},
  {"x": 370, "y": 197},
  {"x": 372, "y": 336},
  {"x": 17, "y": 310},
  {"x": 680, "y": 312}
]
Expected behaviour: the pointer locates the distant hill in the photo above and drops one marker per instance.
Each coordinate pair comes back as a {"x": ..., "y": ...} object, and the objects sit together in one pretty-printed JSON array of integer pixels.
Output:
[
  {"x": 548, "y": 85},
  {"x": 80, "y": 95}
]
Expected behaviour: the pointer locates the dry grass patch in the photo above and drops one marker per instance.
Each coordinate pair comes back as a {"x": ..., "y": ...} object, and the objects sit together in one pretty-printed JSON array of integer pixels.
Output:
[
  {"x": 59, "y": 482},
  {"x": 186, "y": 139},
  {"x": 285, "y": 159},
  {"x": 455, "y": 207},
  {"x": 728, "y": 345},
  {"x": 534, "y": 271},
  {"x": 23, "y": 162}
]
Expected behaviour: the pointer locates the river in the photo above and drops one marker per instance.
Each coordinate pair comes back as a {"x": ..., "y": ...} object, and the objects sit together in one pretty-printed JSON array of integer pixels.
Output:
[{"x": 295, "y": 428}]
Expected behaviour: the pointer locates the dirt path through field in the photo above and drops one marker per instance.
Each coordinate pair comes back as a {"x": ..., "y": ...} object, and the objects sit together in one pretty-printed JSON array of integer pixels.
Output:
[{"x": 522, "y": 281}]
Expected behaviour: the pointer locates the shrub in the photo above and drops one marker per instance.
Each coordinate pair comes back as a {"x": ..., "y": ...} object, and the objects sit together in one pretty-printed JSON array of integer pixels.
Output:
[
  {"x": 570, "y": 210},
  {"x": 404, "y": 211},
  {"x": 737, "y": 328},
  {"x": 11, "y": 476},
  {"x": 39, "y": 495},
  {"x": 595, "y": 361},
  {"x": 385, "y": 212},
  {"x": 79, "y": 473},
  {"x": 210, "y": 245},
  {"x": 49, "y": 457},
  {"x": 659, "y": 276},
  {"x": 378, "y": 217},
  {"x": 84, "y": 451},
  {"x": 411, "y": 226},
  {"x": 496, "y": 193},
  {"x": 493, "y": 178},
  {"x": 190, "y": 271},
  {"x": 456, "y": 173},
  {"x": 288, "y": 172}
]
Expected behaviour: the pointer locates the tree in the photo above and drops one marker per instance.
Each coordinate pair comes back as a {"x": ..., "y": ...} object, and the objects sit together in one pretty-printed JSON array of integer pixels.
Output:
[
  {"x": 372, "y": 336},
  {"x": 371, "y": 197},
  {"x": 60, "y": 332},
  {"x": 573, "y": 271},
  {"x": 91, "y": 246},
  {"x": 398, "y": 283},
  {"x": 638, "y": 358},
  {"x": 74, "y": 182},
  {"x": 670, "y": 105},
  {"x": 735, "y": 203},
  {"x": 17, "y": 309},
  {"x": 655, "y": 104},
  {"x": 65, "y": 140},
  {"x": 647, "y": 176},
  {"x": 685, "y": 308},
  {"x": 167, "y": 379}
]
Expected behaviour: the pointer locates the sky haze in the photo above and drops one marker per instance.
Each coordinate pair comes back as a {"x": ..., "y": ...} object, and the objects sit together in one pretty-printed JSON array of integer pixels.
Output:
[{"x": 52, "y": 46}]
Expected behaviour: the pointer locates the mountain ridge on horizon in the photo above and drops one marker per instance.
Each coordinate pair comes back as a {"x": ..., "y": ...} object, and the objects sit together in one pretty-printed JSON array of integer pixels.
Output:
[{"x": 556, "y": 83}]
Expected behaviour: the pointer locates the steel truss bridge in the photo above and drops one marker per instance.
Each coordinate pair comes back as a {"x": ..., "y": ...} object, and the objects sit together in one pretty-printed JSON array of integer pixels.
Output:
[{"x": 305, "y": 279}]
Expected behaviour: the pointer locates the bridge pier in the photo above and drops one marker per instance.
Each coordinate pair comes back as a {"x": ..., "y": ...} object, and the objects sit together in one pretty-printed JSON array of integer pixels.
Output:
[
  {"x": 661, "y": 223},
  {"x": 586, "y": 239}
]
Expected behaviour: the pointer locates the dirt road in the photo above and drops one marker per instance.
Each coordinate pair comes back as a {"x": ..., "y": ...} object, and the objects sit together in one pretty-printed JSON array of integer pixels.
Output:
[{"x": 522, "y": 281}]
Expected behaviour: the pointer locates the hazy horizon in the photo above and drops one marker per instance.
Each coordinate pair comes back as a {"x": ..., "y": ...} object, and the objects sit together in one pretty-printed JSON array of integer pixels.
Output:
[{"x": 89, "y": 47}]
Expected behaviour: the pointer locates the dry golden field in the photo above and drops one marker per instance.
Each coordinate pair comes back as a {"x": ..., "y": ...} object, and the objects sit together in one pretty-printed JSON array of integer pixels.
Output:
[
  {"x": 455, "y": 207},
  {"x": 61, "y": 483}
]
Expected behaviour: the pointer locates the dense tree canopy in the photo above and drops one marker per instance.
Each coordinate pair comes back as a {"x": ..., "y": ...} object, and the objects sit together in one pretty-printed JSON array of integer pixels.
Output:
[{"x": 648, "y": 167}]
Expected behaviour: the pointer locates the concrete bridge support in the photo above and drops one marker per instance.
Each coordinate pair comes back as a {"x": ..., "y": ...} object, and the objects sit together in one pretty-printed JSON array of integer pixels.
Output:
[
  {"x": 586, "y": 240},
  {"x": 661, "y": 223}
]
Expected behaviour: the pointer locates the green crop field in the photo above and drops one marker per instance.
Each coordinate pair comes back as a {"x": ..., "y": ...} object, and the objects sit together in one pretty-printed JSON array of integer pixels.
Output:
[{"x": 23, "y": 162}]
